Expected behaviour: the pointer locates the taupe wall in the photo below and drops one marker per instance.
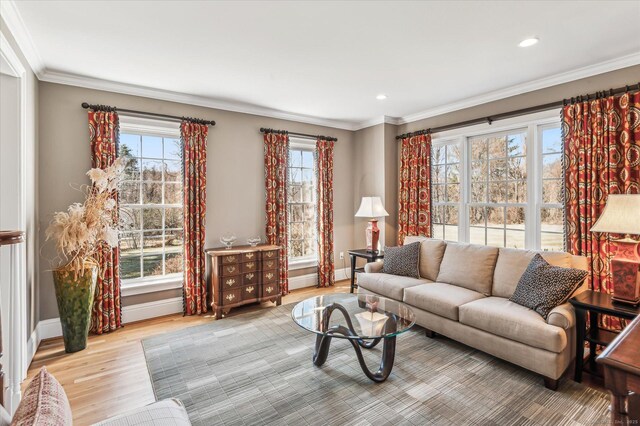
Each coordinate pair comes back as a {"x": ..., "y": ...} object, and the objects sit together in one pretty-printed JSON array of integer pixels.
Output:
[
  {"x": 609, "y": 80},
  {"x": 235, "y": 169}
]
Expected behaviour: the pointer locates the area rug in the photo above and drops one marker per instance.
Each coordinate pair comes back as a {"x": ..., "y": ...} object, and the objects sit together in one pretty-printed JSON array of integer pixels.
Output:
[{"x": 256, "y": 369}]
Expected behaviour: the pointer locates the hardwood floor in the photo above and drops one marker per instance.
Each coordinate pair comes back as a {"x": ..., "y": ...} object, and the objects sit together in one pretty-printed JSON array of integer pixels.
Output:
[{"x": 110, "y": 376}]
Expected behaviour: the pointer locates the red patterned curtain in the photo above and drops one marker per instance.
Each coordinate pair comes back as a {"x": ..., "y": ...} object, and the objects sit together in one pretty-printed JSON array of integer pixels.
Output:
[
  {"x": 414, "y": 210},
  {"x": 602, "y": 156},
  {"x": 194, "y": 141},
  {"x": 107, "y": 308},
  {"x": 324, "y": 165},
  {"x": 276, "y": 156}
]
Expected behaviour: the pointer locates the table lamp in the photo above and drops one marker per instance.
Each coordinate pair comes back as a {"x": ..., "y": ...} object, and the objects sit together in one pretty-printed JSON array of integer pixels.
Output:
[
  {"x": 372, "y": 207},
  {"x": 621, "y": 215}
]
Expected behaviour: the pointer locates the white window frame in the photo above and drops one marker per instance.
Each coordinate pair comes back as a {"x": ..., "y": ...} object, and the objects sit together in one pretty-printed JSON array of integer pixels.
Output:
[
  {"x": 162, "y": 128},
  {"x": 532, "y": 124},
  {"x": 307, "y": 261},
  {"x": 462, "y": 174}
]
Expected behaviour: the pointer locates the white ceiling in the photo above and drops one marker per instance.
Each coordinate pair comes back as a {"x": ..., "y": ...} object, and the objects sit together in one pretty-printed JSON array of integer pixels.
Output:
[{"x": 329, "y": 60}]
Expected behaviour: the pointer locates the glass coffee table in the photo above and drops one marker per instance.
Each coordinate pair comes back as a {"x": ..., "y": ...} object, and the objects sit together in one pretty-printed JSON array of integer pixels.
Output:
[{"x": 363, "y": 319}]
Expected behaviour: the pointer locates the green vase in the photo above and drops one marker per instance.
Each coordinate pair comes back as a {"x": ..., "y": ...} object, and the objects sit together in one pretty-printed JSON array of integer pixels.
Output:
[{"x": 74, "y": 293}]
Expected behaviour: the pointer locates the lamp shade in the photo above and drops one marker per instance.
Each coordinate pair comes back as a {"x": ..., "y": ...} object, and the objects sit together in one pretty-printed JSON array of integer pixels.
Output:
[
  {"x": 621, "y": 215},
  {"x": 371, "y": 207}
]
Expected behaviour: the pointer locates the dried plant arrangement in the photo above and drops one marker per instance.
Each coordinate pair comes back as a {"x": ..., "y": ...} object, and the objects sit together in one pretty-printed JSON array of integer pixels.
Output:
[{"x": 80, "y": 231}]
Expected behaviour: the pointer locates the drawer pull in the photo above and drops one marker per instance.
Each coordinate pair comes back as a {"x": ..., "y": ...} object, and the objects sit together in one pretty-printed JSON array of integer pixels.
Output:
[
  {"x": 251, "y": 265},
  {"x": 269, "y": 289},
  {"x": 249, "y": 255},
  {"x": 269, "y": 264},
  {"x": 270, "y": 254},
  {"x": 269, "y": 275},
  {"x": 250, "y": 289},
  {"x": 230, "y": 297},
  {"x": 231, "y": 268},
  {"x": 231, "y": 282},
  {"x": 249, "y": 276},
  {"x": 231, "y": 258}
]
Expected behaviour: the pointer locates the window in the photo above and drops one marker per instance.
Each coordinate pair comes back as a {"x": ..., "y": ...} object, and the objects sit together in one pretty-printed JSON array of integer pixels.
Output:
[
  {"x": 551, "y": 205},
  {"x": 498, "y": 189},
  {"x": 500, "y": 185},
  {"x": 150, "y": 199},
  {"x": 302, "y": 205},
  {"x": 446, "y": 191}
]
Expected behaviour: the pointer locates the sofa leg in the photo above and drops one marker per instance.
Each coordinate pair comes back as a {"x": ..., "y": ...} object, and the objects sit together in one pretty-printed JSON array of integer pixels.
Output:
[
  {"x": 551, "y": 384},
  {"x": 430, "y": 334}
]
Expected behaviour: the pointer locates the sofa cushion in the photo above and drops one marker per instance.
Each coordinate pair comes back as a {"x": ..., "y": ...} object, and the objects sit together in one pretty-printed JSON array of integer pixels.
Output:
[
  {"x": 168, "y": 412},
  {"x": 44, "y": 403},
  {"x": 468, "y": 265},
  {"x": 512, "y": 263},
  {"x": 542, "y": 287},
  {"x": 440, "y": 298},
  {"x": 402, "y": 260},
  {"x": 504, "y": 318},
  {"x": 388, "y": 285},
  {"x": 431, "y": 252}
]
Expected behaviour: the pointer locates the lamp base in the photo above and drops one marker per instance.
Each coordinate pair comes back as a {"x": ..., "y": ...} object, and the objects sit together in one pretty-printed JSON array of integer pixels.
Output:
[
  {"x": 373, "y": 235},
  {"x": 625, "y": 271}
]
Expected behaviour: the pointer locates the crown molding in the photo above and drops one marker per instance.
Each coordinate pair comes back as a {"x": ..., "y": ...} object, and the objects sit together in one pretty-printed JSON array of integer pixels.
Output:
[
  {"x": 18, "y": 30},
  {"x": 60, "y": 77},
  {"x": 385, "y": 119},
  {"x": 518, "y": 89}
]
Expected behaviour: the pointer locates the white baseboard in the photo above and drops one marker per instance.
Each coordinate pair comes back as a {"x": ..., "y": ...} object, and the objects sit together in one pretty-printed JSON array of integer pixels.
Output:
[
  {"x": 159, "y": 308},
  {"x": 311, "y": 280}
]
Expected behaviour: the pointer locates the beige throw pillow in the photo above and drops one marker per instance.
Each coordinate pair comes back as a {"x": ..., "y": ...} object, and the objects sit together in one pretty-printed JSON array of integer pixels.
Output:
[
  {"x": 468, "y": 265},
  {"x": 431, "y": 252}
]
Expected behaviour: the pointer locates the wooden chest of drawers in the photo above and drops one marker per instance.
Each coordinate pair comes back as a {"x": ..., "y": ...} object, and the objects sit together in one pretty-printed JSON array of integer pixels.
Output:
[{"x": 243, "y": 275}]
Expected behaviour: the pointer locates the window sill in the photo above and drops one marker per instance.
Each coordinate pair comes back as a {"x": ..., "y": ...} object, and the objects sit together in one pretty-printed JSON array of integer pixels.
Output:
[
  {"x": 302, "y": 264},
  {"x": 144, "y": 286}
]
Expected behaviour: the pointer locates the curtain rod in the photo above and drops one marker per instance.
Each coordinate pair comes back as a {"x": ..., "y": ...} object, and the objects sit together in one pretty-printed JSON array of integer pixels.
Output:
[
  {"x": 519, "y": 112},
  {"x": 149, "y": 114},
  {"x": 303, "y": 135}
]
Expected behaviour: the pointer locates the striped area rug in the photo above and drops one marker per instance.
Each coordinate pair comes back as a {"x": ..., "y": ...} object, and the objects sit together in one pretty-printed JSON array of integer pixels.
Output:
[{"x": 256, "y": 369}]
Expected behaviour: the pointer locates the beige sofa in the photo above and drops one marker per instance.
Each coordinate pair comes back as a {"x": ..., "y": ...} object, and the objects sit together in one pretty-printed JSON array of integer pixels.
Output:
[{"x": 463, "y": 293}]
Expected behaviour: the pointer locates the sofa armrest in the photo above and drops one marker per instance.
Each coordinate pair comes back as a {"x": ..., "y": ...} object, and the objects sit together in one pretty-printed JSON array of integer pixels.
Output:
[
  {"x": 373, "y": 267},
  {"x": 563, "y": 316}
]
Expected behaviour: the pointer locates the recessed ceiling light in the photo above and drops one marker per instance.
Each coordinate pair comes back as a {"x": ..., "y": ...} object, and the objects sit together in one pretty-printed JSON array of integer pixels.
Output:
[
  {"x": 381, "y": 97},
  {"x": 529, "y": 42}
]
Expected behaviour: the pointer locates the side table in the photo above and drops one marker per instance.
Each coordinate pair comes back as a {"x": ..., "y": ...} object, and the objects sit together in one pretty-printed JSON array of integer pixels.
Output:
[
  {"x": 371, "y": 256},
  {"x": 596, "y": 303}
]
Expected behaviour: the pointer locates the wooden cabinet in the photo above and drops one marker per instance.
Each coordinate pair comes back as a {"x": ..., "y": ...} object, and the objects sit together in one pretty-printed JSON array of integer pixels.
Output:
[{"x": 243, "y": 275}]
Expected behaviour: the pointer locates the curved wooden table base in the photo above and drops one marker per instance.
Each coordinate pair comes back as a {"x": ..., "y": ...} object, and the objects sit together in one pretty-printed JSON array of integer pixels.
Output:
[{"x": 323, "y": 341}]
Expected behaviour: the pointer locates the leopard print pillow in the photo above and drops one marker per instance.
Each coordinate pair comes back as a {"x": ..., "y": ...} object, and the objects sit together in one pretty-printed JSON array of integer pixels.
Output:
[
  {"x": 402, "y": 260},
  {"x": 542, "y": 287}
]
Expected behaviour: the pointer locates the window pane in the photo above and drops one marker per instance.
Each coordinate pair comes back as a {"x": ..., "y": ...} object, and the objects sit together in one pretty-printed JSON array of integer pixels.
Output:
[
  {"x": 497, "y": 170},
  {"x": 131, "y": 167},
  {"x": 130, "y": 265},
  {"x": 152, "y": 218},
  {"x": 497, "y": 147},
  {"x": 295, "y": 158},
  {"x": 477, "y": 216},
  {"x": 453, "y": 153},
  {"x": 551, "y": 140},
  {"x": 174, "y": 240},
  {"x": 152, "y": 240},
  {"x": 453, "y": 193},
  {"x": 516, "y": 145},
  {"x": 478, "y": 149},
  {"x": 517, "y": 192},
  {"x": 515, "y": 239},
  {"x": 151, "y": 147},
  {"x": 438, "y": 193},
  {"x": 439, "y": 155},
  {"x": 130, "y": 219},
  {"x": 552, "y": 166},
  {"x": 296, "y": 231},
  {"x": 309, "y": 230},
  {"x": 295, "y": 212},
  {"x": 172, "y": 171},
  {"x": 439, "y": 175},
  {"x": 451, "y": 233},
  {"x": 479, "y": 171},
  {"x": 438, "y": 232},
  {"x": 552, "y": 191},
  {"x": 515, "y": 218},
  {"x": 477, "y": 235},
  {"x": 130, "y": 243},
  {"x": 307, "y": 159},
  {"x": 453, "y": 173},
  {"x": 551, "y": 220},
  {"x": 307, "y": 175},
  {"x": 497, "y": 192},
  {"x": 309, "y": 247},
  {"x": 309, "y": 212},
  {"x": 551, "y": 241},
  {"x": 495, "y": 217},
  {"x": 152, "y": 170},
  {"x": 173, "y": 262},
  {"x": 478, "y": 192},
  {"x": 495, "y": 237},
  {"x": 451, "y": 215},
  {"x": 296, "y": 175},
  {"x": 295, "y": 193},
  {"x": 172, "y": 149},
  {"x": 173, "y": 217},
  {"x": 152, "y": 193},
  {"x": 129, "y": 193},
  {"x": 437, "y": 214},
  {"x": 129, "y": 145},
  {"x": 296, "y": 249},
  {"x": 307, "y": 193},
  {"x": 172, "y": 193},
  {"x": 517, "y": 168}
]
